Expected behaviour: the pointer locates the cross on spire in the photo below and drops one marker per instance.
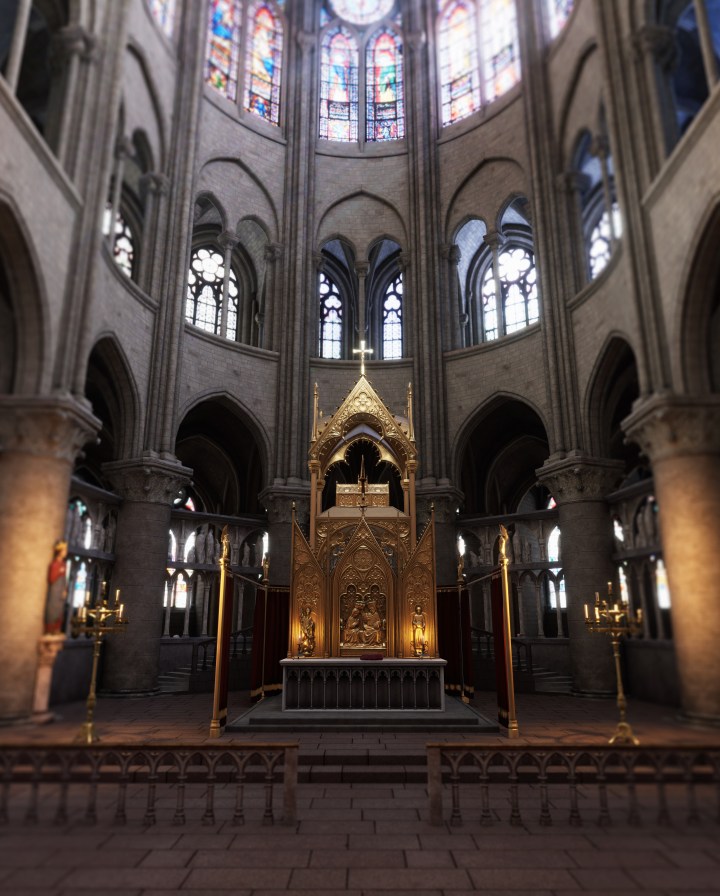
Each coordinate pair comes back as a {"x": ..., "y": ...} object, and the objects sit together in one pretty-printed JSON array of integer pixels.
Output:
[{"x": 362, "y": 351}]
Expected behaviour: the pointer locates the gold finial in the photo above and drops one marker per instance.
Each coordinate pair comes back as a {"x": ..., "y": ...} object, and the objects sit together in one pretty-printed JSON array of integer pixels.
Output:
[
  {"x": 504, "y": 538},
  {"x": 362, "y": 351},
  {"x": 315, "y": 414},
  {"x": 411, "y": 428}
]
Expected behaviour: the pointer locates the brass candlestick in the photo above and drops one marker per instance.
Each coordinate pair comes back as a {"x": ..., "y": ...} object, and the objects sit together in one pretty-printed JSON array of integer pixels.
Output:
[
  {"x": 96, "y": 621},
  {"x": 614, "y": 619}
]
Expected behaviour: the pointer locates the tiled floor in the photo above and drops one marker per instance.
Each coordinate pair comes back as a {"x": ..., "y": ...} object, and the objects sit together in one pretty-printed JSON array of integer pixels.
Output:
[{"x": 365, "y": 838}]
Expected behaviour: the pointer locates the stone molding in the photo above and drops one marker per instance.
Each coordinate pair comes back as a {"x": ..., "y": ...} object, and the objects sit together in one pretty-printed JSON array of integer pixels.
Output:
[
  {"x": 74, "y": 40},
  {"x": 148, "y": 479},
  {"x": 578, "y": 477},
  {"x": 228, "y": 239},
  {"x": 494, "y": 240},
  {"x": 658, "y": 41},
  {"x": 667, "y": 426},
  {"x": 273, "y": 252},
  {"x": 362, "y": 268},
  {"x": 155, "y": 182},
  {"x": 53, "y": 426},
  {"x": 446, "y": 499}
]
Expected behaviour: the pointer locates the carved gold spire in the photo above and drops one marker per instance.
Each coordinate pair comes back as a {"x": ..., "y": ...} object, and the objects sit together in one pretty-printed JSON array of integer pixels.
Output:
[
  {"x": 411, "y": 428},
  {"x": 315, "y": 414}
]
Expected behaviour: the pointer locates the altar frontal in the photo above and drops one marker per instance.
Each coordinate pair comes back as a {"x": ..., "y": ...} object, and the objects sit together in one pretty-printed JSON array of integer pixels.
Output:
[{"x": 363, "y": 619}]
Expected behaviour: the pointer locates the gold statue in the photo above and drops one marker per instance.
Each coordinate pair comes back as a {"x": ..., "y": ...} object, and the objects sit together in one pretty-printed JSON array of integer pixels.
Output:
[
  {"x": 306, "y": 645},
  {"x": 419, "y": 624}
]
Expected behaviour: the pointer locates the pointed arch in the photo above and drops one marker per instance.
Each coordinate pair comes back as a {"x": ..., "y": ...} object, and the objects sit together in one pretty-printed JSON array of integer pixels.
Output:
[{"x": 384, "y": 86}]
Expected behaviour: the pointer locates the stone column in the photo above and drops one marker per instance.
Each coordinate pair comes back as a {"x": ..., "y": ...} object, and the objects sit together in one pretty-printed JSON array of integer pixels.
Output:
[
  {"x": 227, "y": 242},
  {"x": 17, "y": 44},
  {"x": 446, "y": 500},
  {"x": 361, "y": 269},
  {"x": 148, "y": 486},
  {"x": 39, "y": 440},
  {"x": 457, "y": 315},
  {"x": 657, "y": 54},
  {"x": 155, "y": 185},
  {"x": 279, "y": 500},
  {"x": 494, "y": 240},
  {"x": 271, "y": 297},
  {"x": 579, "y": 485},
  {"x": 706, "y": 43},
  {"x": 572, "y": 184},
  {"x": 681, "y": 436},
  {"x": 600, "y": 148}
]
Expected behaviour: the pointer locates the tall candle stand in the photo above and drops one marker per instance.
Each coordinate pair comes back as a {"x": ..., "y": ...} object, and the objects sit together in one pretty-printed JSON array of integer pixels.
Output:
[
  {"x": 615, "y": 619},
  {"x": 96, "y": 621}
]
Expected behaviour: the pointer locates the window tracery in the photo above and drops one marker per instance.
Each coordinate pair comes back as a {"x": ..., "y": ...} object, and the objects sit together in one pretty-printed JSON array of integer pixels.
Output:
[
  {"x": 515, "y": 274},
  {"x": 362, "y": 12},
  {"x": 331, "y": 318},
  {"x": 385, "y": 88},
  {"x": 600, "y": 242},
  {"x": 263, "y": 63},
  {"x": 121, "y": 239},
  {"x": 206, "y": 285},
  {"x": 392, "y": 343}
]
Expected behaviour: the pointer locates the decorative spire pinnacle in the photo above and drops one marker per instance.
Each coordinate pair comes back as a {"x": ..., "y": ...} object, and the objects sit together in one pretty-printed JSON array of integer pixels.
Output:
[
  {"x": 315, "y": 414},
  {"x": 411, "y": 428}
]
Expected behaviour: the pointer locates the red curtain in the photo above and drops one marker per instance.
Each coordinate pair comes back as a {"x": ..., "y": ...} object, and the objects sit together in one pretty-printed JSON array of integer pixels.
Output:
[
  {"x": 269, "y": 639},
  {"x": 455, "y": 641}
]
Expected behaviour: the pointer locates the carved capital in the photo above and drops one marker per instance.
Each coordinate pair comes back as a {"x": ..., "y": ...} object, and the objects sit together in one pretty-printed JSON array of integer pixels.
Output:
[
  {"x": 494, "y": 240},
  {"x": 450, "y": 252},
  {"x": 666, "y": 426},
  {"x": 572, "y": 182},
  {"x": 445, "y": 499},
  {"x": 279, "y": 500},
  {"x": 416, "y": 40},
  {"x": 228, "y": 240},
  {"x": 576, "y": 477},
  {"x": 362, "y": 268},
  {"x": 600, "y": 146},
  {"x": 156, "y": 183},
  {"x": 403, "y": 262},
  {"x": 658, "y": 42},
  {"x": 48, "y": 647},
  {"x": 124, "y": 148},
  {"x": 55, "y": 427},
  {"x": 273, "y": 252},
  {"x": 307, "y": 41},
  {"x": 148, "y": 479},
  {"x": 320, "y": 261},
  {"x": 73, "y": 40}
]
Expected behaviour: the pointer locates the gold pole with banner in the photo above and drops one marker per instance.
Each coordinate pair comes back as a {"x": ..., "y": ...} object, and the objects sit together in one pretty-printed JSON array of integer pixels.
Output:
[
  {"x": 512, "y": 723},
  {"x": 222, "y": 646}
]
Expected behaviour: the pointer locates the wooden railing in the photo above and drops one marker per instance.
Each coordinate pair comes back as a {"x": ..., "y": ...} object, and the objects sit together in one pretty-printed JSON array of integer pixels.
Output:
[
  {"x": 574, "y": 770},
  {"x": 36, "y": 780}
]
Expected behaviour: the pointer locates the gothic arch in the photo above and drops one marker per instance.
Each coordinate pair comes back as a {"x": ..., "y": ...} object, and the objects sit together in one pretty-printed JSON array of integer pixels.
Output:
[
  {"x": 155, "y": 108},
  {"x": 251, "y": 194},
  {"x": 505, "y": 438},
  {"x": 463, "y": 203},
  {"x": 696, "y": 318},
  {"x": 26, "y": 300},
  {"x": 206, "y": 202},
  {"x": 379, "y": 214},
  {"x": 611, "y": 391},
  {"x": 566, "y": 132}
]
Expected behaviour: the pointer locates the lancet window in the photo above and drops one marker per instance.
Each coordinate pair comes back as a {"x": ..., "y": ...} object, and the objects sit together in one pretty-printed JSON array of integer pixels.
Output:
[
  {"x": 511, "y": 273},
  {"x": 362, "y": 76},
  {"x": 223, "y": 53},
  {"x": 479, "y": 57},
  {"x": 212, "y": 295},
  {"x": 254, "y": 34},
  {"x": 392, "y": 343},
  {"x": 331, "y": 318},
  {"x": 163, "y": 11},
  {"x": 558, "y": 12},
  {"x": 263, "y": 63},
  {"x": 121, "y": 240}
]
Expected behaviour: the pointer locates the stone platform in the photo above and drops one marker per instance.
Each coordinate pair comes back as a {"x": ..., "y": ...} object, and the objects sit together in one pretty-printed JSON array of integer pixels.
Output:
[
  {"x": 353, "y": 684},
  {"x": 456, "y": 717}
]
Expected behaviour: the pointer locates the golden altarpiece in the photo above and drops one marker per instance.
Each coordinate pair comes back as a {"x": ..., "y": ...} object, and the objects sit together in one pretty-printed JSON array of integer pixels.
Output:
[{"x": 363, "y": 618}]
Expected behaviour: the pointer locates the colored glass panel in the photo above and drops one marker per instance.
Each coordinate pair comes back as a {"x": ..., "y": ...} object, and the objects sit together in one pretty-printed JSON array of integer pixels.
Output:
[
  {"x": 362, "y": 12},
  {"x": 501, "y": 55},
  {"x": 223, "y": 55},
  {"x": 163, "y": 11},
  {"x": 385, "y": 89},
  {"x": 263, "y": 66},
  {"x": 460, "y": 91},
  {"x": 558, "y": 13},
  {"x": 339, "y": 87}
]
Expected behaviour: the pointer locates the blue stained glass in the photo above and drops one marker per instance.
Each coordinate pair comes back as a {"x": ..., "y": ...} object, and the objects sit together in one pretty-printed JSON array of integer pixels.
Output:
[
  {"x": 384, "y": 77},
  {"x": 222, "y": 62},
  {"x": 339, "y": 87},
  {"x": 263, "y": 65}
]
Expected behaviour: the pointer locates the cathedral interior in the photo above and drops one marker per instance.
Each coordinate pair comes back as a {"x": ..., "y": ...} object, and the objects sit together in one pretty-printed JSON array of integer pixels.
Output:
[{"x": 213, "y": 215}]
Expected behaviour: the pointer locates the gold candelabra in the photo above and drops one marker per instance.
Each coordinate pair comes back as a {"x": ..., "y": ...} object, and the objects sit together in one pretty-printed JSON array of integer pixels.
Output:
[
  {"x": 615, "y": 619},
  {"x": 96, "y": 621}
]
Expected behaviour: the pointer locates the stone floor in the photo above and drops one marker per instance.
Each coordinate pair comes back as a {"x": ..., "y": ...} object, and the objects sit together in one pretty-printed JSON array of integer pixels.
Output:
[{"x": 365, "y": 838}]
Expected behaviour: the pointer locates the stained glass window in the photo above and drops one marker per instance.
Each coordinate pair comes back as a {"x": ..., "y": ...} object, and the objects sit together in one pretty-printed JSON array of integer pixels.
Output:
[
  {"x": 123, "y": 242},
  {"x": 339, "y": 87},
  {"x": 362, "y": 12},
  {"x": 331, "y": 319},
  {"x": 385, "y": 94},
  {"x": 558, "y": 13},
  {"x": 163, "y": 11},
  {"x": 489, "y": 305},
  {"x": 601, "y": 238},
  {"x": 392, "y": 320},
  {"x": 203, "y": 307},
  {"x": 501, "y": 56},
  {"x": 460, "y": 90},
  {"x": 263, "y": 67},
  {"x": 223, "y": 55}
]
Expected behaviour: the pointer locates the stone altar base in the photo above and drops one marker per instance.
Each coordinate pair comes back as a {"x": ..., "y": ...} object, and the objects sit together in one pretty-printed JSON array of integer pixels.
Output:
[{"x": 347, "y": 683}]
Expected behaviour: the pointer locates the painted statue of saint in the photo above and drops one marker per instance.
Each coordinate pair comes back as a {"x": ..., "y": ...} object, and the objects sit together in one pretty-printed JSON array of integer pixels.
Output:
[
  {"x": 57, "y": 590},
  {"x": 419, "y": 624}
]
